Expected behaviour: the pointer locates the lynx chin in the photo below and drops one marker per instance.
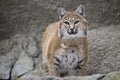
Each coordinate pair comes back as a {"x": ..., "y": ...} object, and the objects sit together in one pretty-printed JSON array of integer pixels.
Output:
[{"x": 64, "y": 44}]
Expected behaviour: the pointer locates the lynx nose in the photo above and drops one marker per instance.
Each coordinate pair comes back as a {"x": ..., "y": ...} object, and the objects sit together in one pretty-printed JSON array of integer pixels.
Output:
[{"x": 72, "y": 31}]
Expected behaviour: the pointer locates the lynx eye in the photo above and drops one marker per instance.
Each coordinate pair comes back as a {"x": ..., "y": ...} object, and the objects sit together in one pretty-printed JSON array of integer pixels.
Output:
[
  {"x": 66, "y": 22},
  {"x": 76, "y": 22}
]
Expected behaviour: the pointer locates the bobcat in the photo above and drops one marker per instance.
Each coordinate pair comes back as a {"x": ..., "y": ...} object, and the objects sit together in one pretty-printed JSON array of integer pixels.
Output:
[{"x": 64, "y": 44}]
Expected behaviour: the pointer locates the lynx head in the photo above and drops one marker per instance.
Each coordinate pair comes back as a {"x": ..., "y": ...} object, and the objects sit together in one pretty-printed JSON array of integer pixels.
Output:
[{"x": 72, "y": 24}]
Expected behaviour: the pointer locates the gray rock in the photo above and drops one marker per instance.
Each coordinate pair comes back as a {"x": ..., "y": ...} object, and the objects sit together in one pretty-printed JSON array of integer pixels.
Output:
[
  {"x": 104, "y": 50},
  {"x": 7, "y": 60},
  {"x": 23, "y": 65},
  {"x": 112, "y": 76},
  {"x": 37, "y": 72},
  {"x": 93, "y": 77},
  {"x": 32, "y": 47},
  {"x": 5, "y": 67},
  {"x": 28, "y": 43}
]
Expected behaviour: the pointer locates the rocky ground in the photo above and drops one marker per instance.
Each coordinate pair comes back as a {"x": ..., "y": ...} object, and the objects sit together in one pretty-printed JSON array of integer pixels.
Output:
[{"x": 20, "y": 56}]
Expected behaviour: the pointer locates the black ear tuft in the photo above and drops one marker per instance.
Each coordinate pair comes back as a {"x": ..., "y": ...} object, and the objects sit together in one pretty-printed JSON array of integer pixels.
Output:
[
  {"x": 61, "y": 12},
  {"x": 81, "y": 10}
]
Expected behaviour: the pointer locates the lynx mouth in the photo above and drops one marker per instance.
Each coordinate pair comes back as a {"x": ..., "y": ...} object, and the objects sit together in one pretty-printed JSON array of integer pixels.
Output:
[{"x": 72, "y": 31}]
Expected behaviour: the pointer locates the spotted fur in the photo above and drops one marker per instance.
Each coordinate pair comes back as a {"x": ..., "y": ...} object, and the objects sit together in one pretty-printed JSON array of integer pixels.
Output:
[{"x": 68, "y": 62}]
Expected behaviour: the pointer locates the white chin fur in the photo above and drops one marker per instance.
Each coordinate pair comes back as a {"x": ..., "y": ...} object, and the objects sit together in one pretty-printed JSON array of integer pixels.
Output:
[{"x": 78, "y": 35}]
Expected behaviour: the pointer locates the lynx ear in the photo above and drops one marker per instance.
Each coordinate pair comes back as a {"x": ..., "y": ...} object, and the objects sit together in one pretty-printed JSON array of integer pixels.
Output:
[
  {"x": 61, "y": 12},
  {"x": 81, "y": 10}
]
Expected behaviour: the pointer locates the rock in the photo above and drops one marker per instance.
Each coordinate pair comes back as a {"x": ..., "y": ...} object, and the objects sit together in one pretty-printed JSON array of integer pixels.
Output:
[
  {"x": 112, "y": 76},
  {"x": 109, "y": 76},
  {"x": 29, "y": 44},
  {"x": 104, "y": 50},
  {"x": 22, "y": 48},
  {"x": 5, "y": 67},
  {"x": 93, "y": 77},
  {"x": 23, "y": 65},
  {"x": 37, "y": 72},
  {"x": 32, "y": 47},
  {"x": 7, "y": 60}
]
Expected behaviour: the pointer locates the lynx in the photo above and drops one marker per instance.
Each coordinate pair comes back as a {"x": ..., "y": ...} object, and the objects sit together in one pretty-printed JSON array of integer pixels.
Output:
[{"x": 64, "y": 44}]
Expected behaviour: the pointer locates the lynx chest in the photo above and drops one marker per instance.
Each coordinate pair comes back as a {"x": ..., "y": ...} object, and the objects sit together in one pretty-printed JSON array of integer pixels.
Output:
[{"x": 68, "y": 60}]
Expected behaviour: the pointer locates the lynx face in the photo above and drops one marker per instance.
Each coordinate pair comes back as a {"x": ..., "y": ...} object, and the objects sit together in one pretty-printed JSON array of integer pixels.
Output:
[{"x": 72, "y": 25}]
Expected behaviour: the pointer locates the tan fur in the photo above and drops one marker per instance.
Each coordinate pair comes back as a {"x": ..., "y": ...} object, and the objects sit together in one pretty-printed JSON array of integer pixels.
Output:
[{"x": 51, "y": 42}]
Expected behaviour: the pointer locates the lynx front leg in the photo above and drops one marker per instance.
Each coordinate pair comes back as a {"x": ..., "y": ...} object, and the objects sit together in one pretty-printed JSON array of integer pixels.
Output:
[
  {"x": 45, "y": 68},
  {"x": 85, "y": 55},
  {"x": 83, "y": 71},
  {"x": 51, "y": 68}
]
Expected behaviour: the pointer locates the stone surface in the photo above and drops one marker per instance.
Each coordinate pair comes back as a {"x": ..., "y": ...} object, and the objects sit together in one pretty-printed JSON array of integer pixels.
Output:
[
  {"x": 33, "y": 48},
  {"x": 5, "y": 68},
  {"x": 23, "y": 65},
  {"x": 37, "y": 72},
  {"x": 8, "y": 58},
  {"x": 109, "y": 76},
  {"x": 93, "y": 77},
  {"x": 10, "y": 51},
  {"x": 112, "y": 76},
  {"x": 104, "y": 49}
]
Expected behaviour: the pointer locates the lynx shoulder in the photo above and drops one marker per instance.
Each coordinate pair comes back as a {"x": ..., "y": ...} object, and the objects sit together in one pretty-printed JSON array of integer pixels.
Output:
[{"x": 64, "y": 44}]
